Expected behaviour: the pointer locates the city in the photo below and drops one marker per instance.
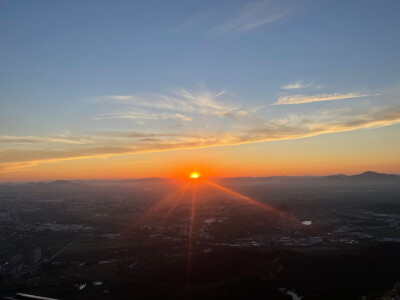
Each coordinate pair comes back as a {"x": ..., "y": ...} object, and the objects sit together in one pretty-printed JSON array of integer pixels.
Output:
[{"x": 104, "y": 238}]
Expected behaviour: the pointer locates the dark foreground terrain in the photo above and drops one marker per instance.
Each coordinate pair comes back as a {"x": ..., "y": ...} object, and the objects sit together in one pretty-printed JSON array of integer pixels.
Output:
[{"x": 318, "y": 238}]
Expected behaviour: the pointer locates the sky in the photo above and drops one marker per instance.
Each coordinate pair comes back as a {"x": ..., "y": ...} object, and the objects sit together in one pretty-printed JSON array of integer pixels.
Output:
[{"x": 129, "y": 89}]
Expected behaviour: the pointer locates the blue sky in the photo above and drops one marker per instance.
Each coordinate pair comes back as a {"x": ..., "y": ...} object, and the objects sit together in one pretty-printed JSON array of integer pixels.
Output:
[{"x": 75, "y": 74}]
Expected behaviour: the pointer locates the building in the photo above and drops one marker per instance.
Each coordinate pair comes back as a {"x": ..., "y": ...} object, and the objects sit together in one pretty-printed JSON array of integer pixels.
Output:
[
  {"x": 4, "y": 214},
  {"x": 13, "y": 266},
  {"x": 34, "y": 256}
]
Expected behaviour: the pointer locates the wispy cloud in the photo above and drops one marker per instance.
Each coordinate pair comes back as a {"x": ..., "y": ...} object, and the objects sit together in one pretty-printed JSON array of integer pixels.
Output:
[
  {"x": 299, "y": 99},
  {"x": 291, "y": 127},
  {"x": 300, "y": 85},
  {"x": 179, "y": 101},
  {"x": 233, "y": 124},
  {"x": 256, "y": 14},
  {"x": 134, "y": 134},
  {"x": 291, "y": 86},
  {"x": 61, "y": 139},
  {"x": 143, "y": 116}
]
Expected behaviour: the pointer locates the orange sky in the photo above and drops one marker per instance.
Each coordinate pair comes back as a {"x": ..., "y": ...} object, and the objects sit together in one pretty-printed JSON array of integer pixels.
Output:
[
  {"x": 348, "y": 152},
  {"x": 259, "y": 88}
]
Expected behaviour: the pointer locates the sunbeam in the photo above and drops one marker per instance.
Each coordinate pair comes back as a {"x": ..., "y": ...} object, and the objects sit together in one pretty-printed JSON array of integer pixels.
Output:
[
  {"x": 176, "y": 202},
  {"x": 192, "y": 216},
  {"x": 249, "y": 200},
  {"x": 158, "y": 205}
]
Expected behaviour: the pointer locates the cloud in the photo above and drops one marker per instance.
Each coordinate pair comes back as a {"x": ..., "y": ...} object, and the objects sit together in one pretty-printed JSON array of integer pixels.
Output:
[
  {"x": 323, "y": 122},
  {"x": 16, "y": 167},
  {"x": 296, "y": 85},
  {"x": 143, "y": 116},
  {"x": 299, "y": 85},
  {"x": 134, "y": 134},
  {"x": 291, "y": 127},
  {"x": 180, "y": 101},
  {"x": 256, "y": 14},
  {"x": 62, "y": 139},
  {"x": 18, "y": 153},
  {"x": 299, "y": 99}
]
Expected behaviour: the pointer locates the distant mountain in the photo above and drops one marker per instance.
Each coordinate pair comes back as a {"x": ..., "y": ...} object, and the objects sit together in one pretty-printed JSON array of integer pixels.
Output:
[
  {"x": 43, "y": 183},
  {"x": 366, "y": 178},
  {"x": 369, "y": 177},
  {"x": 365, "y": 175},
  {"x": 374, "y": 175},
  {"x": 61, "y": 182},
  {"x": 337, "y": 176}
]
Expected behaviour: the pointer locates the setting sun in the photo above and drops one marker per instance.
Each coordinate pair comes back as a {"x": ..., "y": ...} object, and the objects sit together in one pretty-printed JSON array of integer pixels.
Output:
[
  {"x": 242, "y": 149},
  {"x": 194, "y": 175}
]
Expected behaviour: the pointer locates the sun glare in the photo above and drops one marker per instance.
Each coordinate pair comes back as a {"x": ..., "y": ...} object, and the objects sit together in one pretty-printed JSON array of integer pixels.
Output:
[{"x": 194, "y": 175}]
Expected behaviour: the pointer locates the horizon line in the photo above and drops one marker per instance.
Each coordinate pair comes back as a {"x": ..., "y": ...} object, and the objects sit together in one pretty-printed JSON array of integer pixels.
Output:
[{"x": 175, "y": 178}]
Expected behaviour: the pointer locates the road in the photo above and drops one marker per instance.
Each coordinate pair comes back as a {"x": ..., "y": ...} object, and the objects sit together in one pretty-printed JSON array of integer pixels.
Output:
[{"x": 44, "y": 260}]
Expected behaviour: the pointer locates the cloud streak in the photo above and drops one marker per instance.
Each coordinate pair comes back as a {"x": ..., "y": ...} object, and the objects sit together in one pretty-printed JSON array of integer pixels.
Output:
[
  {"x": 299, "y": 99},
  {"x": 180, "y": 101},
  {"x": 299, "y": 85},
  {"x": 143, "y": 116},
  {"x": 291, "y": 127},
  {"x": 256, "y": 14},
  {"x": 60, "y": 139}
]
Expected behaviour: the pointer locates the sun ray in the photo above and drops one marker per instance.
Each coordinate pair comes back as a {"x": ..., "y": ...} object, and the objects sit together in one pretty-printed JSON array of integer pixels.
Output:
[
  {"x": 249, "y": 200},
  {"x": 190, "y": 239},
  {"x": 176, "y": 202},
  {"x": 158, "y": 205}
]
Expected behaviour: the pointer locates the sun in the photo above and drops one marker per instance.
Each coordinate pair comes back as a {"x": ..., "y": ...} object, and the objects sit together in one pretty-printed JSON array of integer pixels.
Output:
[{"x": 194, "y": 175}]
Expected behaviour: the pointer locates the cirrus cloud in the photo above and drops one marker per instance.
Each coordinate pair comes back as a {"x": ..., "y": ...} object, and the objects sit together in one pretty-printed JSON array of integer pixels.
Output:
[
  {"x": 256, "y": 14},
  {"x": 291, "y": 127},
  {"x": 299, "y": 99}
]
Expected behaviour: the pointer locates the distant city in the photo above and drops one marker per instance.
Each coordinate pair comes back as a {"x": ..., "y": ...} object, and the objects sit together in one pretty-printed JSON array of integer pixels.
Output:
[{"x": 108, "y": 238}]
